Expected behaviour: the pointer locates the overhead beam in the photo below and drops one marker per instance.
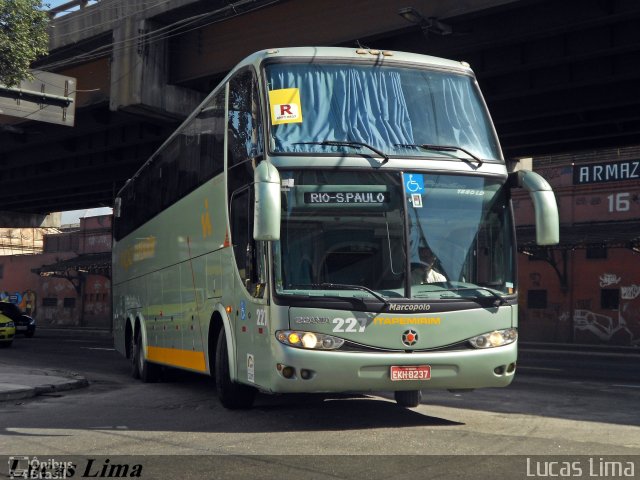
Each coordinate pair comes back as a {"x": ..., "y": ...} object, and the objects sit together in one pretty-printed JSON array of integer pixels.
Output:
[{"x": 216, "y": 48}]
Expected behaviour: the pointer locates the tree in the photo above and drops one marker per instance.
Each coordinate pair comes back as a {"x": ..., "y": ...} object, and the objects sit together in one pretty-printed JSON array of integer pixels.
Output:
[{"x": 23, "y": 38}]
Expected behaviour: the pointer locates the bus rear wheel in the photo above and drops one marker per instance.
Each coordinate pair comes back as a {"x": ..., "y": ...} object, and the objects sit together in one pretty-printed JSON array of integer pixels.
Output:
[
  {"x": 408, "y": 398},
  {"x": 147, "y": 372},
  {"x": 133, "y": 357},
  {"x": 233, "y": 396}
]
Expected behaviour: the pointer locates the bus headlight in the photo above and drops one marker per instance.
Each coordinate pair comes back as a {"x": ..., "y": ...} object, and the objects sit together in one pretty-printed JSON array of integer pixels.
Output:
[
  {"x": 497, "y": 338},
  {"x": 309, "y": 340}
]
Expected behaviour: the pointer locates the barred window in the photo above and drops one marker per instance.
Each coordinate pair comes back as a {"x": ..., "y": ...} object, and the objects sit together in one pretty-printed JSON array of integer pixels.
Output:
[
  {"x": 49, "y": 302},
  {"x": 537, "y": 299}
]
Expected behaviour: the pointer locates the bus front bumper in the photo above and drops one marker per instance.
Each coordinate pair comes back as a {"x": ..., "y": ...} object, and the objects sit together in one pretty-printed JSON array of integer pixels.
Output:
[{"x": 334, "y": 371}]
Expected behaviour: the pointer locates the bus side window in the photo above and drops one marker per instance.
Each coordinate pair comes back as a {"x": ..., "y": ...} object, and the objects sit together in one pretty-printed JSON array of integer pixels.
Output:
[{"x": 212, "y": 125}]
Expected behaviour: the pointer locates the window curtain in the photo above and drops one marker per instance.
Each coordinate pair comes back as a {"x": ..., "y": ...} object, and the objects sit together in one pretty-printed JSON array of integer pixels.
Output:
[{"x": 345, "y": 104}]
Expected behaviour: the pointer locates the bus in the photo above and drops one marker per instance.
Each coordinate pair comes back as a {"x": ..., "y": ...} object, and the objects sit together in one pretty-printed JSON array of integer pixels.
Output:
[{"x": 327, "y": 220}]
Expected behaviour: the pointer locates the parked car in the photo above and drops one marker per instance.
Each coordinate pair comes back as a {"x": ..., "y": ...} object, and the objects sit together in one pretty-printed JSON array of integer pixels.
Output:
[
  {"x": 23, "y": 322},
  {"x": 7, "y": 331}
]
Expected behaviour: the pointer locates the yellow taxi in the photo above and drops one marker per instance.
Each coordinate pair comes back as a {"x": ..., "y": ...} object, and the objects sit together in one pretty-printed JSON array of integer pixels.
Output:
[{"x": 7, "y": 331}]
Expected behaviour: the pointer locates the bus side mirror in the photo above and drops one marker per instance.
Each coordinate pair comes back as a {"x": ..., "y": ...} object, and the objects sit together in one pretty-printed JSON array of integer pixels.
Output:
[
  {"x": 266, "y": 212},
  {"x": 544, "y": 204}
]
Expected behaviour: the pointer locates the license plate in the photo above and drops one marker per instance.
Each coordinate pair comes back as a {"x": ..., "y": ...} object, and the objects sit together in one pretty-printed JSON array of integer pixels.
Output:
[
  {"x": 20, "y": 328},
  {"x": 418, "y": 372}
]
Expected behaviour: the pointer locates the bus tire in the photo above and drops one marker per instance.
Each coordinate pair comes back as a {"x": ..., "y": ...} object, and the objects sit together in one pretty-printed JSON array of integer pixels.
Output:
[
  {"x": 148, "y": 372},
  {"x": 233, "y": 396},
  {"x": 133, "y": 357},
  {"x": 408, "y": 398}
]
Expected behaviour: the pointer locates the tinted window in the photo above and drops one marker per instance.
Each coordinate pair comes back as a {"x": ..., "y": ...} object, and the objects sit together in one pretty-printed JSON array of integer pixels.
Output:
[
  {"x": 245, "y": 145},
  {"x": 193, "y": 156}
]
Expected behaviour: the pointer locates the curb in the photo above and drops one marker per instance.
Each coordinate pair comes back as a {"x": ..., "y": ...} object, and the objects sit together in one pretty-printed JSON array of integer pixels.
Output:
[
  {"x": 79, "y": 382},
  {"x": 17, "y": 391}
]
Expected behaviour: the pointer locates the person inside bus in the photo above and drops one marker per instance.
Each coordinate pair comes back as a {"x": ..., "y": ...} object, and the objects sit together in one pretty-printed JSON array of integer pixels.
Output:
[{"x": 422, "y": 270}]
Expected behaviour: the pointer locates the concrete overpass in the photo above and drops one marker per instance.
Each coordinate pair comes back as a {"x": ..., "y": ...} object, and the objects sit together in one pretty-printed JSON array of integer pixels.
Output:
[{"x": 558, "y": 76}]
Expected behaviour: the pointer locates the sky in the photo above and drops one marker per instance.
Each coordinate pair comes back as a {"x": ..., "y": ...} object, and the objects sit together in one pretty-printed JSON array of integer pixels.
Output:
[
  {"x": 75, "y": 215},
  {"x": 55, "y": 3}
]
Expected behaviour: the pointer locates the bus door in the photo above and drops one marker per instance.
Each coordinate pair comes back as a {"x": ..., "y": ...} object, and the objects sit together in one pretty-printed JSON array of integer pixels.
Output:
[
  {"x": 250, "y": 316},
  {"x": 244, "y": 150}
]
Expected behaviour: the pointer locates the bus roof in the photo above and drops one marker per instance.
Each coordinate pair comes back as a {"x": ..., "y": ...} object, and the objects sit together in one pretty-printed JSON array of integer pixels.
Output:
[
  {"x": 380, "y": 57},
  {"x": 341, "y": 53}
]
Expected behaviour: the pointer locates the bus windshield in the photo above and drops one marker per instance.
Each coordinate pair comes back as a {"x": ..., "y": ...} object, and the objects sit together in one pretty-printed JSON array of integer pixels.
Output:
[
  {"x": 338, "y": 109},
  {"x": 342, "y": 231}
]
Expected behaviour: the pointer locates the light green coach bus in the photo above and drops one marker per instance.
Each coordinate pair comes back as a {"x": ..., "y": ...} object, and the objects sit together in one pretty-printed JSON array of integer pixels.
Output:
[{"x": 327, "y": 220}]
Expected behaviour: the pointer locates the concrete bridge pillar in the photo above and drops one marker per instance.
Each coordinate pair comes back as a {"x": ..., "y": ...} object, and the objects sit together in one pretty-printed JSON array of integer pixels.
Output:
[{"x": 140, "y": 73}]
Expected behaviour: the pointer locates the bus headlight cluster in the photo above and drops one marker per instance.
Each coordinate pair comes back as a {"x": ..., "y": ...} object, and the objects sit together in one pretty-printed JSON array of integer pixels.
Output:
[
  {"x": 310, "y": 340},
  {"x": 496, "y": 338}
]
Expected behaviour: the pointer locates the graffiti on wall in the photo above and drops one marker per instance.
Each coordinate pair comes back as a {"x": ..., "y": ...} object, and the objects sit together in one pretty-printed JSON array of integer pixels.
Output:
[
  {"x": 25, "y": 300},
  {"x": 607, "y": 329},
  {"x": 584, "y": 304},
  {"x": 97, "y": 297},
  {"x": 608, "y": 279},
  {"x": 535, "y": 278},
  {"x": 630, "y": 293}
]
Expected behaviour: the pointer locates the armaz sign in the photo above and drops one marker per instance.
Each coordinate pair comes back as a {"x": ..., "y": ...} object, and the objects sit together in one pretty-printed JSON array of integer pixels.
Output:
[{"x": 606, "y": 172}]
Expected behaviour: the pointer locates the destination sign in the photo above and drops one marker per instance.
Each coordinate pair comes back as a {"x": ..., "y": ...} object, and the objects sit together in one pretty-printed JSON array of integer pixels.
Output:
[{"x": 368, "y": 198}]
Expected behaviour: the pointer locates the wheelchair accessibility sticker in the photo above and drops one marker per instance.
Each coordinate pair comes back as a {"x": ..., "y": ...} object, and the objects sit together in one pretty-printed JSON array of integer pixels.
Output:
[{"x": 413, "y": 183}]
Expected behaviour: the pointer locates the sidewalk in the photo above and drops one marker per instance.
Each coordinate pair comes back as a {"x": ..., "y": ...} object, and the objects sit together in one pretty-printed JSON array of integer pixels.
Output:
[{"x": 24, "y": 382}]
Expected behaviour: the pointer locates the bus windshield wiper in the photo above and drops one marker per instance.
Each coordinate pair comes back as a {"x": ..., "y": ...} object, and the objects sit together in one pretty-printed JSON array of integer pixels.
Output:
[
  {"x": 344, "y": 286},
  {"x": 443, "y": 148},
  {"x": 348, "y": 143},
  {"x": 499, "y": 299}
]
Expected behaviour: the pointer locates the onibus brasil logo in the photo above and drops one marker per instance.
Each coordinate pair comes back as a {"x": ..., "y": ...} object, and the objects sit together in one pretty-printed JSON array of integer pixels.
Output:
[{"x": 50, "y": 468}]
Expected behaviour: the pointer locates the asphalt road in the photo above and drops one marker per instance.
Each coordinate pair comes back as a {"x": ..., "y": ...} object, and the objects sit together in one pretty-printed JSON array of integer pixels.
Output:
[{"x": 549, "y": 410}]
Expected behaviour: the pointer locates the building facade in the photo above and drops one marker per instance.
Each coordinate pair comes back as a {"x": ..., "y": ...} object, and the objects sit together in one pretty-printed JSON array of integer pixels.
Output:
[
  {"x": 69, "y": 283},
  {"x": 587, "y": 289}
]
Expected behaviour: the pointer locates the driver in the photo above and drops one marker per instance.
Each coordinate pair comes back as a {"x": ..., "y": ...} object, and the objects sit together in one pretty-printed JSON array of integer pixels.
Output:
[{"x": 422, "y": 270}]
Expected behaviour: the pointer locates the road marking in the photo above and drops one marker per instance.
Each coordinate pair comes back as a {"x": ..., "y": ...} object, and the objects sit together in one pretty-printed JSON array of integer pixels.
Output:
[
  {"x": 541, "y": 368},
  {"x": 109, "y": 427},
  {"x": 626, "y": 386},
  {"x": 589, "y": 353},
  {"x": 98, "y": 348}
]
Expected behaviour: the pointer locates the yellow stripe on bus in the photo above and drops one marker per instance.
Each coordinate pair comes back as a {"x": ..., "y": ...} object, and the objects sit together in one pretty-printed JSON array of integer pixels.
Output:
[{"x": 178, "y": 358}]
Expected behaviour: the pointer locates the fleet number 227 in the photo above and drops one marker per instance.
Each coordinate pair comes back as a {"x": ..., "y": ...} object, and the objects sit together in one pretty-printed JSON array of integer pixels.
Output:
[{"x": 349, "y": 325}]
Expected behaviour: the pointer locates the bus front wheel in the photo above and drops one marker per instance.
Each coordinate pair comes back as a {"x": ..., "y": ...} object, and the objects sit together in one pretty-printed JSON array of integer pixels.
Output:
[
  {"x": 232, "y": 395},
  {"x": 408, "y": 398}
]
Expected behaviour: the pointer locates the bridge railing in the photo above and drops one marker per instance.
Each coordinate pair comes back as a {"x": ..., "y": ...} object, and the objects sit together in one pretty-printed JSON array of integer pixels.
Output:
[{"x": 69, "y": 6}]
